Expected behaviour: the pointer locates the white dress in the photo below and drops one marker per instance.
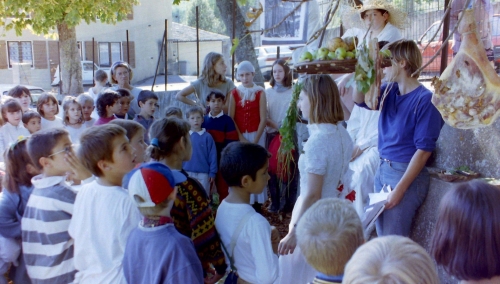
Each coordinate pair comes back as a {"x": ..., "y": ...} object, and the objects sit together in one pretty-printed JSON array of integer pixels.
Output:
[
  {"x": 363, "y": 129},
  {"x": 277, "y": 105},
  {"x": 75, "y": 133},
  {"x": 327, "y": 152}
]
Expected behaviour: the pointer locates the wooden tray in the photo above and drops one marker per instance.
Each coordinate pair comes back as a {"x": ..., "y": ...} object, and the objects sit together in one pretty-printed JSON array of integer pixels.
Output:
[{"x": 331, "y": 66}]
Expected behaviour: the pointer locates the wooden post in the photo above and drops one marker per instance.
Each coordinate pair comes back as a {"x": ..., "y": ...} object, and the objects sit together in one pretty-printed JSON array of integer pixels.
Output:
[
  {"x": 233, "y": 37},
  {"x": 166, "y": 53},
  {"x": 197, "y": 43},
  {"x": 446, "y": 32},
  {"x": 93, "y": 61},
  {"x": 128, "y": 51}
]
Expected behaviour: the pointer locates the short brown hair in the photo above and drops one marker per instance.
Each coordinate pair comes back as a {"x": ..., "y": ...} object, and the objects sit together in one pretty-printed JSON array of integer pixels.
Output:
[
  {"x": 10, "y": 105},
  {"x": 407, "y": 50},
  {"x": 195, "y": 109},
  {"x": 29, "y": 115},
  {"x": 43, "y": 99},
  {"x": 130, "y": 126},
  {"x": 18, "y": 91},
  {"x": 100, "y": 75},
  {"x": 41, "y": 143},
  {"x": 325, "y": 99},
  {"x": 466, "y": 241},
  {"x": 108, "y": 98},
  {"x": 287, "y": 80},
  {"x": 173, "y": 111},
  {"x": 96, "y": 144},
  {"x": 67, "y": 101}
]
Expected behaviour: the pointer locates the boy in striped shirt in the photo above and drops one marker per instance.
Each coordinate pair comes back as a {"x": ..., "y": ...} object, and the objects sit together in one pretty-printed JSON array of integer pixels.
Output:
[{"x": 47, "y": 246}]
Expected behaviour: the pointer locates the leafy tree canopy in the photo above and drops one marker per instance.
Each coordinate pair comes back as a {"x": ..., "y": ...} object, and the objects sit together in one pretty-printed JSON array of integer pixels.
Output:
[{"x": 42, "y": 16}]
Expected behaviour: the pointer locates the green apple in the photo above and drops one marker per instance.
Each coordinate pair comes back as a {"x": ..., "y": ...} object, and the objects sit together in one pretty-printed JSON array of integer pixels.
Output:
[
  {"x": 331, "y": 55},
  {"x": 322, "y": 53},
  {"x": 341, "y": 53},
  {"x": 349, "y": 55},
  {"x": 306, "y": 56}
]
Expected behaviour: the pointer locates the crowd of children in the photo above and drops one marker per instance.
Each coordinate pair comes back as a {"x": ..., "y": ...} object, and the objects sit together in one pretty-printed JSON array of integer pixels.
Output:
[{"x": 92, "y": 200}]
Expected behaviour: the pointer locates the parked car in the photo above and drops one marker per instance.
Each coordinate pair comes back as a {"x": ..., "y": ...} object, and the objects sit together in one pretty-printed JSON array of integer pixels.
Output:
[
  {"x": 435, "y": 45},
  {"x": 266, "y": 55},
  {"x": 35, "y": 91},
  {"x": 87, "y": 73}
]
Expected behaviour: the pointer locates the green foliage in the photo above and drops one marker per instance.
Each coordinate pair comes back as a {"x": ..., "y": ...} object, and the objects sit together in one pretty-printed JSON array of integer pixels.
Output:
[
  {"x": 209, "y": 16},
  {"x": 364, "y": 74},
  {"x": 46, "y": 14}
]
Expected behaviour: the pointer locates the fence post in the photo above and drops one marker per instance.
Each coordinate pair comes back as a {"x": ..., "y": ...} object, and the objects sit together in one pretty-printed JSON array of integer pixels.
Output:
[
  {"x": 197, "y": 43},
  {"x": 446, "y": 32},
  {"x": 128, "y": 51}
]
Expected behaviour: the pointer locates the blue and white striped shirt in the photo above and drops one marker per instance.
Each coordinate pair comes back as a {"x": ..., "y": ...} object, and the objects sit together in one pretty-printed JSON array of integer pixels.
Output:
[{"x": 47, "y": 246}]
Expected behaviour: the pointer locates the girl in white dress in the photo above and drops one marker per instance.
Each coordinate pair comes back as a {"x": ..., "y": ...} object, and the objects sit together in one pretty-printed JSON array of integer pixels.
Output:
[
  {"x": 322, "y": 166},
  {"x": 73, "y": 119},
  {"x": 13, "y": 128}
]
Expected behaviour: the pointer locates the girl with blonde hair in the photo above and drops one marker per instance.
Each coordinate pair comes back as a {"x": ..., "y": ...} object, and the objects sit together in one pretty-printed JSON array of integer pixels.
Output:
[{"x": 213, "y": 76}]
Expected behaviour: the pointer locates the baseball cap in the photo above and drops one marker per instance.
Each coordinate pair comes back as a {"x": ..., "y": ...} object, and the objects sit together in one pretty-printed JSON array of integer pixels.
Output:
[{"x": 153, "y": 182}]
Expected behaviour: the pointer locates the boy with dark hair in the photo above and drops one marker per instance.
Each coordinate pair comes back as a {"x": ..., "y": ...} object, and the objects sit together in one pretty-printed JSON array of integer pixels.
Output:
[
  {"x": 147, "y": 101},
  {"x": 247, "y": 238},
  {"x": 223, "y": 131},
  {"x": 125, "y": 99},
  {"x": 32, "y": 121},
  {"x": 104, "y": 213},
  {"x": 47, "y": 246},
  {"x": 203, "y": 163},
  {"x": 153, "y": 188},
  {"x": 107, "y": 105}
]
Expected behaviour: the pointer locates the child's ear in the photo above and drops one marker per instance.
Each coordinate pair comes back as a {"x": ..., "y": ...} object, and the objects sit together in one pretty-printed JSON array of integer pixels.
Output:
[
  {"x": 245, "y": 181},
  {"x": 103, "y": 165},
  {"x": 45, "y": 162},
  {"x": 141, "y": 104}
]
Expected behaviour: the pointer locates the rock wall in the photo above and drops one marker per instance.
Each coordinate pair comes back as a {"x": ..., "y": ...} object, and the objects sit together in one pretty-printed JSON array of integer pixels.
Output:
[{"x": 476, "y": 148}]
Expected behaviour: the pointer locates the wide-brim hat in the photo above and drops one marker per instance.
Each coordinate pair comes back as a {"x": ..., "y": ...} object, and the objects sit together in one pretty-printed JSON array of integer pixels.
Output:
[{"x": 352, "y": 15}]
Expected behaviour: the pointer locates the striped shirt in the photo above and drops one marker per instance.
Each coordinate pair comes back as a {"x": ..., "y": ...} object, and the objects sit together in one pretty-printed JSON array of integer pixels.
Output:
[{"x": 47, "y": 246}]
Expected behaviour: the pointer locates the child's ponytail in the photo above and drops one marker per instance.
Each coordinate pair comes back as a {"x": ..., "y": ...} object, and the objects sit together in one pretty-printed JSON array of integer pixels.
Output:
[{"x": 164, "y": 134}]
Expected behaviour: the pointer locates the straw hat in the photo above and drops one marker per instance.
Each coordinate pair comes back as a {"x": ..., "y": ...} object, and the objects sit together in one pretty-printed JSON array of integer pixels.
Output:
[{"x": 352, "y": 14}]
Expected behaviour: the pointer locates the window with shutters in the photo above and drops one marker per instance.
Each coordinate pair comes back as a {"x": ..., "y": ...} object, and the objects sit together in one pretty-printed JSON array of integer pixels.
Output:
[
  {"x": 109, "y": 52},
  {"x": 20, "y": 52}
]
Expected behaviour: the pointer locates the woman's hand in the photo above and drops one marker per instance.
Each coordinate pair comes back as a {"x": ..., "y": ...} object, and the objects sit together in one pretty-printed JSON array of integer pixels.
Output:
[
  {"x": 394, "y": 197},
  {"x": 288, "y": 243}
]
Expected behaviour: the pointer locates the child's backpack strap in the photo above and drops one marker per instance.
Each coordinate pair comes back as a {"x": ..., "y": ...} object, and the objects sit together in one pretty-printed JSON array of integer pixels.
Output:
[{"x": 235, "y": 237}]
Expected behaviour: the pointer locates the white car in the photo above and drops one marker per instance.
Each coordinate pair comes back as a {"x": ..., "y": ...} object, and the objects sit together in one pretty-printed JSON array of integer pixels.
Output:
[
  {"x": 266, "y": 55},
  {"x": 87, "y": 73},
  {"x": 35, "y": 91}
]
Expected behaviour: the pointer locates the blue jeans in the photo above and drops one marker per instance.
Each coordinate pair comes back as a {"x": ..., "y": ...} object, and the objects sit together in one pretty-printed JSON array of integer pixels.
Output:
[{"x": 398, "y": 220}]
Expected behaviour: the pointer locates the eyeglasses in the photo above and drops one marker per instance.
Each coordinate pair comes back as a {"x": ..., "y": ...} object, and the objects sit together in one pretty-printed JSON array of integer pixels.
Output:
[{"x": 66, "y": 149}]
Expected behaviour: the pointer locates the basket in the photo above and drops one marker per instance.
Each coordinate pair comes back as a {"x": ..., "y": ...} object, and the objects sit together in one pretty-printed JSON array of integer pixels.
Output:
[{"x": 331, "y": 66}]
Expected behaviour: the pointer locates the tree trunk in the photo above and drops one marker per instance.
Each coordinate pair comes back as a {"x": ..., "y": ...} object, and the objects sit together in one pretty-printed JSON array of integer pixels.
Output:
[
  {"x": 71, "y": 68},
  {"x": 245, "y": 50}
]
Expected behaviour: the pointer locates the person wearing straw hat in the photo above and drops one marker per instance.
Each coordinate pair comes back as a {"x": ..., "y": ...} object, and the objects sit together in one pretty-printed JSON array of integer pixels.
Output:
[{"x": 384, "y": 22}]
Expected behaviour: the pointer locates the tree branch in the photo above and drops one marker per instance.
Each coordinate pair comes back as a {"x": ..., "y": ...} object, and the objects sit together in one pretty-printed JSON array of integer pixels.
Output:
[{"x": 280, "y": 22}]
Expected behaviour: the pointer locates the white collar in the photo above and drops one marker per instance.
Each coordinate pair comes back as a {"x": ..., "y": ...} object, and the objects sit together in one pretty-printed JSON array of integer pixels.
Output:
[
  {"x": 221, "y": 113},
  {"x": 42, "y": 182},
  {"x": 199, "y": 132}
]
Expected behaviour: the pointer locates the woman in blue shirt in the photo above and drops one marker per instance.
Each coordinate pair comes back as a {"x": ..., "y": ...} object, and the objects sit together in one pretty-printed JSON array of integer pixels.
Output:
[{"x": 409, "y": 127}]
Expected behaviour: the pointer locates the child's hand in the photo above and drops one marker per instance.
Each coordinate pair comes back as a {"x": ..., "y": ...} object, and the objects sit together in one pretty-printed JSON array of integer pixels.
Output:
[
  {"x": 212, "y": 277},
  {"x": 287, "y": 244},
  {"x": 79, "y": 172},
  {"x": 211, "y": 180},
  {"x": 275, "y": 238}
]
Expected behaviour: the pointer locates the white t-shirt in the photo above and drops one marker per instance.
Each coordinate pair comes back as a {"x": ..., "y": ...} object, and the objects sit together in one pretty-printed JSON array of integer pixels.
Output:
[
  {"x": 9, "y": 134},
  {"x": 90, "y": 122},
  {"x": 75, "y": 133},
  {"x": 56, "y": 123},
  {"x": 253, "y": 254},
  {"x": 103, "y": 217}
]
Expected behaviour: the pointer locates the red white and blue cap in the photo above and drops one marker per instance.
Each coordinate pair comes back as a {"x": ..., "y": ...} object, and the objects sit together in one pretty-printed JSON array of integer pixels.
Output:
[{"x": 153, "y": 182}]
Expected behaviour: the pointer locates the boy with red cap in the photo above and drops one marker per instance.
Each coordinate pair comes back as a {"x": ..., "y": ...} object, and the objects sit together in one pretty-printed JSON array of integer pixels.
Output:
[{"x": 156, "y": 252}]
